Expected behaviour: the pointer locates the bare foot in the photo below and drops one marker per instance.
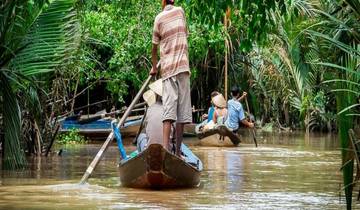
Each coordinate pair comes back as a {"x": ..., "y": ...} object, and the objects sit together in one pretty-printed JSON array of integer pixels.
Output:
[{"x": 182, "y": 157}]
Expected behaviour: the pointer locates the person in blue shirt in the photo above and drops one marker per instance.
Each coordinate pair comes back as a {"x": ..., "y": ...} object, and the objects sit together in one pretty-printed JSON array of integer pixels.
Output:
[{"x": 236, "y": 112}]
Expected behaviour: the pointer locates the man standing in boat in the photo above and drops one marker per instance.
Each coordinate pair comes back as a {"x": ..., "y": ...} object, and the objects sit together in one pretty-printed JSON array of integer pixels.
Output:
[
  {"x": 236, "y": 112},
  {"x": 170, "y": 32}
]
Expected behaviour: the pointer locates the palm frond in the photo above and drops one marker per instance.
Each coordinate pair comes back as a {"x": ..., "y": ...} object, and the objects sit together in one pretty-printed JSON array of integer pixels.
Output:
[
  {"x": 305, "y": 8},
  {"x": 332, "y": 65},
  {"x": 346, "y": 90},
  {"x": 338, "y": 44},
  {"x": 14, "y": 157},
  {"x": 52, "y": 41},
  {"x": 354, "y": 6},
  {"x": 348, "y": 108},
  {"x": 342, "y": 80}
]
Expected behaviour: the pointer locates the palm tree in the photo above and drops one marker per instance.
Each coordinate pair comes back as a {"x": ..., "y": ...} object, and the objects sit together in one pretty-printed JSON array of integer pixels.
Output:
[
  {"x": 339, "y": 33},
  {"x": 35, "y": 39}
]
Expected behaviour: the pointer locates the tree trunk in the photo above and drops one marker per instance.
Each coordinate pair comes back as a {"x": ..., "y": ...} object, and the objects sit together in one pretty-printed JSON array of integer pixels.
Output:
[{"x": 286, "y": 114}]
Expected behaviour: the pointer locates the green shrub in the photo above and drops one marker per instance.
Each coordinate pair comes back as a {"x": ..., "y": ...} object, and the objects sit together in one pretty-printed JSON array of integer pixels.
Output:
[{"x": 71, "y": 137}]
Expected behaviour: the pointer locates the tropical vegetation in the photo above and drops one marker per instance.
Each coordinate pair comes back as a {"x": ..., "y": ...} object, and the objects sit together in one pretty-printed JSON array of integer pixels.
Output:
[
  {"x": 72, "y": 137},
  {"x": 37, "y": 39},
  {"x": 298, "y": 60}
]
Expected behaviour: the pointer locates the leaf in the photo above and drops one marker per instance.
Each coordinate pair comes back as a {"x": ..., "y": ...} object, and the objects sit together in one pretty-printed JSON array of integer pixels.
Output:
[
  {"x": 332, "y": 65},
  {"x": 14, "y": 156},
  {"x": 346, "y": 90},
  {"x": 51, "y": 42},
  {"x": 348, "y": 108},
  {"x": 341, "y": 80}
]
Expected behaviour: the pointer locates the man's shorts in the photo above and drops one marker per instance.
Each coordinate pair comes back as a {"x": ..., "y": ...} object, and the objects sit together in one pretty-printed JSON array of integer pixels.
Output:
[{"x": 177, "y": 99}]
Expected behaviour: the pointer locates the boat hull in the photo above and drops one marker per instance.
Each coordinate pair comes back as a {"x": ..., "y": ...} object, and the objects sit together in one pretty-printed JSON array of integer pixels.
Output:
[
  {"x": 217, "y": 140},
  {"x": 155, "y": 167},
  {"x": 100, "y": 129},
  {"x": 219, "y": 136},
  {"x": 189, "y": 130}
]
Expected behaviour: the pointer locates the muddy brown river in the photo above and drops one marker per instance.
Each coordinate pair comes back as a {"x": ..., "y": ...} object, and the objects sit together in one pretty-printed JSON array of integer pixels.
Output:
[{"x": 286, "y": 171}]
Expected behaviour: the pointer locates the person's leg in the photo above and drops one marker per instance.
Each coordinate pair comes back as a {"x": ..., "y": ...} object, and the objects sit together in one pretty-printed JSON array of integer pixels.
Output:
[
  {"x": 179, "y": 137},
  {"x": 170, "y": 99},
  {"x": 166, "y": 133},
  {"x": 184, "y": 111}
]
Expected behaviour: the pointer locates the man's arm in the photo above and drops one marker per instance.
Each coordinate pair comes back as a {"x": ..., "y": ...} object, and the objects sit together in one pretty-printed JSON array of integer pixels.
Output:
[
  {"x": 247, "y": 123},
  {"x": 243, "y": 119},
  {"x": 154, "y": 59},
  {"x": 242, "y": 96}
]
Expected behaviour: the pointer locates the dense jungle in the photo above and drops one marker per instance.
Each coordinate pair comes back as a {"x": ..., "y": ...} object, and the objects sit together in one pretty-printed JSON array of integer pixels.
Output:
[{"x": 298, "y": 60}]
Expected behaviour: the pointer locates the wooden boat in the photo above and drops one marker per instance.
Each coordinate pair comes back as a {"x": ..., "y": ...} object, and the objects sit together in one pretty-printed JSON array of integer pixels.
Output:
[
  {"x": 100, "y": 128},
  {"x": 155, "y": 167},
  {"x": 189, "y": 130},
  {"x": 218, "y": 136}
]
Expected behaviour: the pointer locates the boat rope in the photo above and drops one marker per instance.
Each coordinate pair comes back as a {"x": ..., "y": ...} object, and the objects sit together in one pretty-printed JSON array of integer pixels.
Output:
[{"x": 119, "y": 141}]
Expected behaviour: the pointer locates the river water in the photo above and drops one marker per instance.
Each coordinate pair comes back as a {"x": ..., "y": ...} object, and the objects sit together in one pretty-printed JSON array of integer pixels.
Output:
[{"x": 286, "y": 171}]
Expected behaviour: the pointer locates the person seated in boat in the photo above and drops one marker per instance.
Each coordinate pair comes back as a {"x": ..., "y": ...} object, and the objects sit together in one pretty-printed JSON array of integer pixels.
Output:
[
  {"x": 236, "y": 112},
  {"x": 207, "y": 118},
  {"x": 153, "y": 121},
  {"x": 221, "y": 111},
  {"x": 219, "y": 116}
]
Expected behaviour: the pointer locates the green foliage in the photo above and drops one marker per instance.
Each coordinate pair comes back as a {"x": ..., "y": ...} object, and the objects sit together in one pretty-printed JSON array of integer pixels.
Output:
[
  {"x": 71, "y": 137},
  {"x": 340, "y": 32},
  {"x": 15, "y": 20},
  {"x": 35, "y": 38},
  {"x": 51, "y": 41},
  {"x": 299, "y": 59},
  {"x": 119, "y": 38},
  {"x": 14, "y": 157},
  {"x": 251, "y": 19}
]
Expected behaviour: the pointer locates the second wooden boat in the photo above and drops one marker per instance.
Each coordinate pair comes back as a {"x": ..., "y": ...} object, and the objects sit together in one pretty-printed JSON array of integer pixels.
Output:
[
  {"x": 189, "y": 130},
  {"x": 218, "y": 136},
  {"x": 101, "y": 128}
]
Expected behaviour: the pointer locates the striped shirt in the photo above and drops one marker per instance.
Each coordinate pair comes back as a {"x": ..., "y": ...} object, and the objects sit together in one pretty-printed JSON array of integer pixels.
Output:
[{"x": 171, "y": 33}]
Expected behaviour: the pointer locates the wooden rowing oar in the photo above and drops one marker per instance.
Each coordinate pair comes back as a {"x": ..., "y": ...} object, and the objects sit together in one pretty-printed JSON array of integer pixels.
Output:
[
  {"x": 106, "y": 144},
  {"x": 252, "y": 129}
]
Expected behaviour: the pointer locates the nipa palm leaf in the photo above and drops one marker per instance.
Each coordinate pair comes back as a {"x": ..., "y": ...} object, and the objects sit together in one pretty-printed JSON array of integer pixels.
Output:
[
  {"x": 14, "y": 157},
  {"x": 52, "y": 41}
]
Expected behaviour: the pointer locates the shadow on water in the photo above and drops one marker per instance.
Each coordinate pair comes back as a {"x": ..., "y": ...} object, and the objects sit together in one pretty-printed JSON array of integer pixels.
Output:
[{"x": 287, "y": 171}]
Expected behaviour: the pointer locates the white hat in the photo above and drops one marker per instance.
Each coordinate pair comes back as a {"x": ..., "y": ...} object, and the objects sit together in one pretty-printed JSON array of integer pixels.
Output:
[
  {"x": 219, "y": 101},
  {"x": 149, "y": 97},
  {"x": 156, "y": 87}
]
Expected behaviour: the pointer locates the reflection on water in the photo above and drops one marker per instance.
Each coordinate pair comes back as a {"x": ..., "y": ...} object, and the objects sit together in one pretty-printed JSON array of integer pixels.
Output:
[{"x": 284, "y": 172}]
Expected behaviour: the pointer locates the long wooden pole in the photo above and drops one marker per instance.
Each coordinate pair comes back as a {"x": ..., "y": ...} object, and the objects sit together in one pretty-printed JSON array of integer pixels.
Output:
[
  {"x": 109, "y": 139},
  {"x": 226, "y": 60},
  {"x": 252, "y": 129},
  {"x": 226, "y": 21}
]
